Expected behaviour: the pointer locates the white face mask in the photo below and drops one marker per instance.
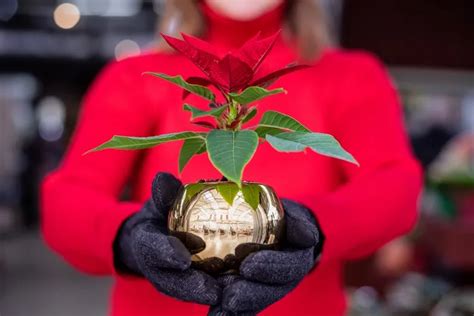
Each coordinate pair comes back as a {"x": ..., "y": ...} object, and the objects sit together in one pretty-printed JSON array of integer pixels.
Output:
[{"x": 243, "y": 10}]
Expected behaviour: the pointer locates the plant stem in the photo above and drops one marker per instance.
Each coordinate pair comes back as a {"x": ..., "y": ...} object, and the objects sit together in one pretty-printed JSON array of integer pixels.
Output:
[{"x": 232, "y": 118}]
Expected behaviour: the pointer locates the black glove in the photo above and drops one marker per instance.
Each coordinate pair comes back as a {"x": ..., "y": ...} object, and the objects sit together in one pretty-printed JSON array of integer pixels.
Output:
[
  {"x": 143, "y": 247},
  {"x": 267, "y": 276}
]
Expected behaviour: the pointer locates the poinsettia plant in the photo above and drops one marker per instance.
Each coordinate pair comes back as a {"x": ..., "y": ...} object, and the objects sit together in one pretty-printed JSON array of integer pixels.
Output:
[{"x": 229, "y": 145}]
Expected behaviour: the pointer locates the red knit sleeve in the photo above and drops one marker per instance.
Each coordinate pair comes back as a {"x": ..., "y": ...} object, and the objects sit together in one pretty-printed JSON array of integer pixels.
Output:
[
  {"x": 378, "y": 200},
  {"x": 81, "y": 211}
]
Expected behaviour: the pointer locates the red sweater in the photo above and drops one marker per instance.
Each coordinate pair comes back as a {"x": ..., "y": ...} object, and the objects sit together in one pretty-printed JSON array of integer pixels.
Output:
[{"x": 347, "y": 94}]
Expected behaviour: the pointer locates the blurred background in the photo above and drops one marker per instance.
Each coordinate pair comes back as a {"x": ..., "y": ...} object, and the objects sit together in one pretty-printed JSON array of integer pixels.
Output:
[{"x": 50, "y": 51}]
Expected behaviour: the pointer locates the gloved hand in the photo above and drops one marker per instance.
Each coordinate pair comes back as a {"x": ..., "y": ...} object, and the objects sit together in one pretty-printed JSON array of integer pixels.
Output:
[
  {"x": 267, "y": 276},
  {"x": 143, "y": 247}
]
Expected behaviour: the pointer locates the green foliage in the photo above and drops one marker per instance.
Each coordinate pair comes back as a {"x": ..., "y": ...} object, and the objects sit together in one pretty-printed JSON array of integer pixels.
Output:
[
  {"x": 193, "y": 88},
  {"x": 228, "y": 191},
  {"x": 251, "y": 193},
  {"x": 323, "y": 144},
  {"x": 273, "y": 122},
  {"x": 191, "y": 147},
  {"x": 193, "y": 188},
  {"x": 229, "y": 147},
  {"x": 130, "y": 143},
  {"x": 230, "y": 151},
  {"x": 252, "y": 94},
  {"x": 250, "y": 115},
  {"x": 197, "y": 113}
]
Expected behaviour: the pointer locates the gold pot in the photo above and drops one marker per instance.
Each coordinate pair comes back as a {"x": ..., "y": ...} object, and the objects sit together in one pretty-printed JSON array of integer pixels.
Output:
[{"x": 221, "y": 224}]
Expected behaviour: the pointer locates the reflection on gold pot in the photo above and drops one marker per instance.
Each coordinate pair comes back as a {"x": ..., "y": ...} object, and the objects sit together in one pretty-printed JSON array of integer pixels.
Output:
[{"x": 226, "y": 221}]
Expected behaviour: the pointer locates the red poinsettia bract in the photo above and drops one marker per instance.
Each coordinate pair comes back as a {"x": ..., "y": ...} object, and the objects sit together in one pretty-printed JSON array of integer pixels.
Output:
[{"x": 235, "y": 71}]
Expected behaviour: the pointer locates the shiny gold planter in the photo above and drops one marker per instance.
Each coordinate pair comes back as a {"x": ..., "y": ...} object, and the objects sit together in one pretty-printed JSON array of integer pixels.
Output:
[{"x": 226, "y": 233}]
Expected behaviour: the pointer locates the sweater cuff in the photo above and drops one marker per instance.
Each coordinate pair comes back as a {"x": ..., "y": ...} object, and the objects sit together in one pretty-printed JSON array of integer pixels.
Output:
[{"x": 332, "y": 224}]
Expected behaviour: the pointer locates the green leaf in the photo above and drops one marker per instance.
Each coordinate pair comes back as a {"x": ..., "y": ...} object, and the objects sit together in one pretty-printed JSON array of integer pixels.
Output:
[
  {"x": 252, "y": 94},
  {"x": 199, "y": 90},
  {"x": 130, "y": 143},
  {"x": 273, "y": 122},
  {"x": 251, "y": 193},
  {"x": 191, "y": 147},
  {"x": 250, "y": 115},
  {"x": 323, "y": 144},
  {"x": 228, "y": 191},
  {"x": 196, "y": 113},
  {"x": 203, "y": 149},
  {"x": 230, "y": 151},
  {"x": 193, "y": 188}
]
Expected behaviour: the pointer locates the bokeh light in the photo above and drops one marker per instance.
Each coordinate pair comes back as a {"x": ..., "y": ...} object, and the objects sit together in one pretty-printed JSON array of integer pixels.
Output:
[
  {"x": 66, "y": 15},
  {"x": 50, "y": 115},
  {"x": 126, "y": 48}
]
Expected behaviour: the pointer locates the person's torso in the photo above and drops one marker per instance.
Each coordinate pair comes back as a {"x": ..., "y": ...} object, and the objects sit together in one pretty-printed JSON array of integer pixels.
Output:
[{"x": 298, "y": 176}]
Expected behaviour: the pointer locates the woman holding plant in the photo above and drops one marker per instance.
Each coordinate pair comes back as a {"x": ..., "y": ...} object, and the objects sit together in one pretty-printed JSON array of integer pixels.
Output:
[{"x": 335, "y": 211}]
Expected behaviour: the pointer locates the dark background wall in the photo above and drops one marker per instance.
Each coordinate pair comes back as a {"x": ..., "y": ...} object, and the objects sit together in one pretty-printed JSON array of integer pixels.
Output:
[{"x": 428, "y": 33}]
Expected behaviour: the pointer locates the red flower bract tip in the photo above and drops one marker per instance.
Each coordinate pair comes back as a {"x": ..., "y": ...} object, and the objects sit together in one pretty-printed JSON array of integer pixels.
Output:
[{"x": 254, "y": 51}]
